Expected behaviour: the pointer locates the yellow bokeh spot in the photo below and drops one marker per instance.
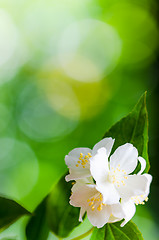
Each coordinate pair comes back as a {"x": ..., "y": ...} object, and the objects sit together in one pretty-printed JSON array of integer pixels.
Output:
[{"x": 72, "y": 99}]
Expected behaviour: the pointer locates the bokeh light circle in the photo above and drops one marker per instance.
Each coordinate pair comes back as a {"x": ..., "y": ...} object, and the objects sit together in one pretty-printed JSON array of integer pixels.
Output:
[
  {"x": 8, "y": 37},
  {"x": 13, "y": 52},
  {"x": 38, "y": 119},
  {"x": 88, "y": 50},
  {"x": 60, "y": 93},
  {"x": 18, "y": 168}
]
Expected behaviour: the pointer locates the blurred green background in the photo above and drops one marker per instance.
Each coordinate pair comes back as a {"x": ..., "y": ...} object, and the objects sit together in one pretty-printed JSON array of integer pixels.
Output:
[{"x": 69, "y": 69}]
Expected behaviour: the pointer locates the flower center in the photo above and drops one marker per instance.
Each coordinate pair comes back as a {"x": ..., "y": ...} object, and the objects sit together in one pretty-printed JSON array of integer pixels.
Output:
[
  {"x": 117, "y": 176},
  {"x": 139, "y": 199},
  {"x": 83, "y": 160},
  {"x": 96, "y": 202}
]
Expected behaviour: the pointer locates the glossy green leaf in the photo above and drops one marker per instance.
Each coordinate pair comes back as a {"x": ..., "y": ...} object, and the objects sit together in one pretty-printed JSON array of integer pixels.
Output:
[
  {"x": 113, "y": 231},
  {"x": 10, "y": 211},
  {"x": 62, "y": 217},
  {"x": 133, "y": 129},
  {"x": 37, "y": 227}
]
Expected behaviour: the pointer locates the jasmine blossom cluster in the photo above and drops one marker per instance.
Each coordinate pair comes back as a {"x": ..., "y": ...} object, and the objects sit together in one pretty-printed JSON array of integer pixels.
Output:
[{"x": 105, "y": 186}]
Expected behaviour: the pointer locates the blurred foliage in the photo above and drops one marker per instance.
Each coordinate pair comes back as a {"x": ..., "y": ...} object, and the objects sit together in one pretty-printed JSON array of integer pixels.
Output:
[{"x": 68, "y": 71}]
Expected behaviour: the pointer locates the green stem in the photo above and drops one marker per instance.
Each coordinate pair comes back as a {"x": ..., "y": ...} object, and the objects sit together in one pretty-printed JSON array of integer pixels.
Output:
[{"x": 83, "y": 235}]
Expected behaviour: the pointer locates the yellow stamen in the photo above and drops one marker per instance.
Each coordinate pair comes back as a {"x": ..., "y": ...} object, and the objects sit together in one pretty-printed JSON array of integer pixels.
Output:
[
  {"x": 92, "y": 208},
  {"x": 91, "y": 203},
  {"x": 99, "y": 208}
]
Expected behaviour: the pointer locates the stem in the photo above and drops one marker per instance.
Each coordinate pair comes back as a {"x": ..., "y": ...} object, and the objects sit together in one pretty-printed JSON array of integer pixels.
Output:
[{"x": 83, "y": 235}]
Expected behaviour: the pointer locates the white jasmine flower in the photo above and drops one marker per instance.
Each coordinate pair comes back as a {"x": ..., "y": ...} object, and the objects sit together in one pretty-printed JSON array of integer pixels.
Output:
[
  {"x": 129, "y": 208},
  {"x": 113, "y": 179},
  {"x": 90, "y": 200},
  {"x": 78, "y": 160}
]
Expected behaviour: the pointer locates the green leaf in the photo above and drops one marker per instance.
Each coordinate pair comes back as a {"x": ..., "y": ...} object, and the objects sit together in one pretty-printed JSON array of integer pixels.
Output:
[
  {"x": 62, "y": 217},
  {"x": 10, "y": 211},
  {"x": 113, "y": 231},
  {"x": 37, "y": 227},
  {"x": 133, "y": 129}
]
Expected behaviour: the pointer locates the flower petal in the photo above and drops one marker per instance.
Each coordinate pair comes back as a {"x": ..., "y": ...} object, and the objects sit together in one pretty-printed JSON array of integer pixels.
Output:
[
  {"x": 143, "y": 165},
  {"x": 82, "y": 211},
  {"x": 149, "y": 180},
  {"x": 134, "y": 185},
  {"x": 78, "y": 174},
  {"x": 117, "y": 211},
  {"x": 99, "y": 166},
  {"x": 76, "y": 152},
  {"x": 73, "y": 157},
  {"x": 77, "y": 170},
  {"x": 107, "y": 143},
  {"x": 129, "y": 211},
  {"x": 109, "y": 192},
  {"x": 125, "y": 156},
  {"x": 99, "y": 218},
  {"x": 81, "y": 193}
]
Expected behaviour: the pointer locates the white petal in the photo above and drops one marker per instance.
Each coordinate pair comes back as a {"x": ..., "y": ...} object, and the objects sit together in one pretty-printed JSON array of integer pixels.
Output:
[
  {"x": 99, "y": 218},
  {"x": 82, "y": 211},
  {"x": 117, "y": 211},
  {"x": 149, "y": 180},
  {"x": 107, "y": 143},
  {"x": 76, "y": 170},
  {"x": 125, "y": 156},
  {"x": 134, "y": 185},
  {"x": 82, "y": 182},
  {"x": 113, "y": 219},
  {"x": 78, "y": 174},
  {"x": 76, "y": 152},
  {"x": 143, "y": 197},
  {"x": 74, "y": 155},
  {"x": 129, "y": 211},
  {"x": 81, "y": 193},
  {"x": 143, "y": 165},
  {"x": 99, "y": 166},
  {"x": 109, "y": 192}
]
